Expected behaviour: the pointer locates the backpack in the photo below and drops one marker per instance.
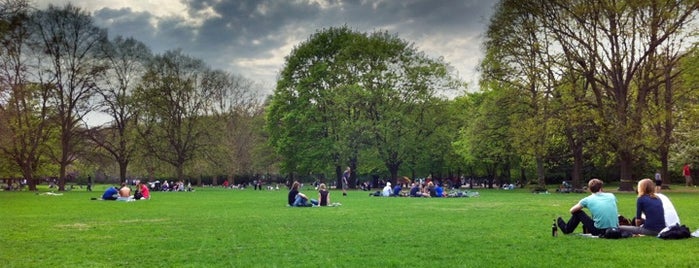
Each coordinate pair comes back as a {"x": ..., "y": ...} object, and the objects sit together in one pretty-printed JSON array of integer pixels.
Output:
[
  {"x": 676, "y": 232},
  {"x": 615, "y": 233}
]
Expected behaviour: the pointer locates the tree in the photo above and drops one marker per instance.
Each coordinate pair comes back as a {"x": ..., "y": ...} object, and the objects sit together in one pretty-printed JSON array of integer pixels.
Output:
[
  {"x": 23, "y": 104},
  {"x": 611, "y": 42},
  {"x": 126, "y": 59},
  {"x": 342, "y": 93},
  {"x": 70, "y": 43},
  {"x": 519, "y": 57},
  {"x": 311, "y": 117},
  {"x": 173, "y": 97},
  {"x": 231, "y": 148},
  {"x": 399, "y": 86}
]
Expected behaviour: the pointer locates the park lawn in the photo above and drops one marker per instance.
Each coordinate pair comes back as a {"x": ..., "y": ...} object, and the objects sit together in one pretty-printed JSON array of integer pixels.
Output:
[{"x": 214, "y": 227}]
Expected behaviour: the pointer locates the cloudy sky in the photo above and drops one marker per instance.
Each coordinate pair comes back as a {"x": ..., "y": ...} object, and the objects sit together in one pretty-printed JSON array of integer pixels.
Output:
[{"x": 252, "y": 37}]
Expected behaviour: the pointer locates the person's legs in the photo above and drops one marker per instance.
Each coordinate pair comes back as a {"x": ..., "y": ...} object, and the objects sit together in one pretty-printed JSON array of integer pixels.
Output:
[
  {"x": 637, "y": 230},
  {"x": 575, "y": 219},
  {"x": 299, "y": 202}
]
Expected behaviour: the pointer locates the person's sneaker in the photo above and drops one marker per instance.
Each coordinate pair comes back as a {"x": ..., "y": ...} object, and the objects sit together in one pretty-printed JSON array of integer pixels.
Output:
[{"x": 562, "y": 225}]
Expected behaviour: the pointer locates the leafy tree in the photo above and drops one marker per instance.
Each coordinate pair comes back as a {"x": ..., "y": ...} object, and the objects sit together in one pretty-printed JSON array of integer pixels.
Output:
[
  {"x": 519, "y": 56},
  {"x": 24, "y": 110},
  {"x": 343, "y": 92},
  {"x": 173, "y": 97},
  {"x": 311, "y": 117},
  {"x": 611, "y": 42}
]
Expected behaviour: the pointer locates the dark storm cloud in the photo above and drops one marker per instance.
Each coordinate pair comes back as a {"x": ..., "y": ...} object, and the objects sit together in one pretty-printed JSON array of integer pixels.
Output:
[
  {"x": 127, "y": 23},
  {"x": 251, "y": 37}
]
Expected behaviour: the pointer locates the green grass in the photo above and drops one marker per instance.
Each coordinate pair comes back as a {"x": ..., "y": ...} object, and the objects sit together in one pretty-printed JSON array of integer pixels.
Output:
[{"x": 213, "y": 227}]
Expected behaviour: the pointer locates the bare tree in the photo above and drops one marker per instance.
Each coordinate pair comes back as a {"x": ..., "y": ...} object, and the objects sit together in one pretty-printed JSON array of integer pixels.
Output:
[
  {"x": 126, "y": 59},
  {"x": 70, "y": 43}
]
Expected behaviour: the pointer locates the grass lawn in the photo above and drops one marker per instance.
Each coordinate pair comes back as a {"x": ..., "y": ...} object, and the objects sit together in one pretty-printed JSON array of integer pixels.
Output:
[{"x": 215, "y": 227}]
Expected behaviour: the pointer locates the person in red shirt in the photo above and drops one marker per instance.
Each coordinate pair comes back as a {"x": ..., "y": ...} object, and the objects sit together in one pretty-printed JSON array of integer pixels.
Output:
[
  {"x": 144, "y": 191},
  {"x": 687, "y": 175}
]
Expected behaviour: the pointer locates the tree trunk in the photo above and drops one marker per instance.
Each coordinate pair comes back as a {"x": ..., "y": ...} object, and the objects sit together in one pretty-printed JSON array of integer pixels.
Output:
[
  {"x": 353, "y": 173},
  {"x": 338, "y": 175},
  {"x": 122, "y": 171},
  {"x": 62, "y": 178},
  {"x": 664, "y": 174},
  {"x": 578, "y": 163},
  {"x": 541, "y": 178},
  {"x": 625, "y": 163},
  {"x": 393, "y": 170}
]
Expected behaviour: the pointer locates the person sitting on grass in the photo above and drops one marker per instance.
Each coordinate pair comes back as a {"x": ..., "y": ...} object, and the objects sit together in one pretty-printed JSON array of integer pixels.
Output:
[
  {"x": 387, "y": 190},
  {"x": 142, "y": 191},
  {"x": 124, "y": 193},
  {"x": 397, "y": 189},
  {"x": 301, "y": 200},
  {"x": 415, "y": 191},
  {"x": 296, "y": 198},
  {"x": 429, "y": 190},
  {"x": 602, "y": 206},
  {"x": 323, "y": 195},
  {"x": 323, "y": 198},
  {"x": 650, "y": 204},
  {"x": 293, "y": 191},
  {"x": 111, "y": 193},
  {"x": 439, "y": 191}
]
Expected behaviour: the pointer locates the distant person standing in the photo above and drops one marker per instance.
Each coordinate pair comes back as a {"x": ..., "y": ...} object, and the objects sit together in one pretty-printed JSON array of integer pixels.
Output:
[
  {"x": 345, "y": 180},
  {"x": 89, "y": 184},
  {"x": 658, "y": 181},
  {"x": 686, "y": 171}
]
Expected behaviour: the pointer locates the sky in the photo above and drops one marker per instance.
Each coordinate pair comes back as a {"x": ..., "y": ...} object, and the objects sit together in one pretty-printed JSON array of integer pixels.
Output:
[{"x": 252, "y": 37}]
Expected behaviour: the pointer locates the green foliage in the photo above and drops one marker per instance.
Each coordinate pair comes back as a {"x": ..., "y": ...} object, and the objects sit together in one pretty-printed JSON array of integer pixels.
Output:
[
  {"x": 343, "y": 92},
  {"x": 213, "y": 227}
]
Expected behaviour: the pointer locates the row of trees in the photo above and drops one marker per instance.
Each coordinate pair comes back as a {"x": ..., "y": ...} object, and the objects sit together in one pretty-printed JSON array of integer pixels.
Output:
[
  {"x": 170, "y": 113},
  {"x": 569, "y": 88},
  {"x": 599, "y": 82},
  {"x": 572, "y": 87}
]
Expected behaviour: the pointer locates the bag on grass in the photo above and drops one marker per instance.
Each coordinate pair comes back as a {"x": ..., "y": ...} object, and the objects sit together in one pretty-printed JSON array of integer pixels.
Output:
[
  {"x": 615, "y": 233},
  {"x": 675, "y": 232}
]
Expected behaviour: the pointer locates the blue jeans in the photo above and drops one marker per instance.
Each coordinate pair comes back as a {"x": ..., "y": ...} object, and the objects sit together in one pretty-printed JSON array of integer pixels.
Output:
[{"x": 299, "y": 202}]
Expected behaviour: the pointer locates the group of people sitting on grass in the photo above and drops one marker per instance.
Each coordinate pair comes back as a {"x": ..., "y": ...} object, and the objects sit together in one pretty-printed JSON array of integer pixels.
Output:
[
  {"x": 655, "y": 214},
  {"x": 123, "y": 193},
  {"x": 428, "y": 189},
  {"x": 298, "y": 199}
]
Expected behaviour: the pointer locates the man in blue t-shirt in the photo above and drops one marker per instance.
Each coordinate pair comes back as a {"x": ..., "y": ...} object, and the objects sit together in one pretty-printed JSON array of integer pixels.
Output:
[
  {"x": 110, "y": 194},
  {"x": 601, "y": 205}
]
